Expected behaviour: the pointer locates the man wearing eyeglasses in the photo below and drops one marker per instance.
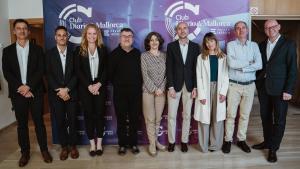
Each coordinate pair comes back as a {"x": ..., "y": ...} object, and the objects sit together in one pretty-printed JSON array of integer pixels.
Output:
[
  {"x": 126, "y": 76},
  {"x": 275, "y": 85}
]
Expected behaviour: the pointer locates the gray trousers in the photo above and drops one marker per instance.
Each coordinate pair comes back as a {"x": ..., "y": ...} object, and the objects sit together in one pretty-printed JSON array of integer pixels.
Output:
[{"x": 211, "y": 135}]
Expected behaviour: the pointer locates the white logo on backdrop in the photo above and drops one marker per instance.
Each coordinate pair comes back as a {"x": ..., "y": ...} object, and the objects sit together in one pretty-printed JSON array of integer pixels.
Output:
[
  {"x": 74, "y": 23},
  {"x": 170, "y": 15}
]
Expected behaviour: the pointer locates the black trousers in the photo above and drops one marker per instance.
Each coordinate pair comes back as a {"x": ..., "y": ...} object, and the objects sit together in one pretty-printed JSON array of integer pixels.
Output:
[
  {"x": 22, "y": 107},
  {"x": 127, "y": 102},
  {"x": 65, "y": 114},
  {"x": 273, "y": 111},
  {"x": 94, "y": 111}
]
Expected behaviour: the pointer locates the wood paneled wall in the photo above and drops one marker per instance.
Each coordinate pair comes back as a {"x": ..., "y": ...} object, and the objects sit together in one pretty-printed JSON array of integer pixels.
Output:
[{"x": 277, "y": 7}]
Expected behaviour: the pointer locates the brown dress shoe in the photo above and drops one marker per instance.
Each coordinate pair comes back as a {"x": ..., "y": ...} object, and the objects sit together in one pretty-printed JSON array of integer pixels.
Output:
[
  {"x": 74, "y": 152},
  {"x": 64, "y": 153},
  {"x": 24, "y": 159},
  {"x": 47, "y": 157}
]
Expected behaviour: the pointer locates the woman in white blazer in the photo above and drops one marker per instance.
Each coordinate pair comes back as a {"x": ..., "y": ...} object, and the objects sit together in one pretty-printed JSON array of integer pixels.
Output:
[{"x": 212, "y": 85}]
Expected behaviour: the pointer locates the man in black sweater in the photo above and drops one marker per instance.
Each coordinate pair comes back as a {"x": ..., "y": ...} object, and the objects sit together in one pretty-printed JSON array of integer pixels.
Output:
[{"x": 126, "y": 77}]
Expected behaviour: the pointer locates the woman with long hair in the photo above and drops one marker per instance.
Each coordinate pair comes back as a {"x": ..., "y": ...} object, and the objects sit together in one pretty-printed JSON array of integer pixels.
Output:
[
  {"x": 91, "y": 64},
  {"x": 212, "y": 85}
]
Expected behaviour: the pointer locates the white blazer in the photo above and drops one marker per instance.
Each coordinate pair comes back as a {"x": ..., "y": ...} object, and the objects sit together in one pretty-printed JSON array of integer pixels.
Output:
[{"x": 203, "y": 112}]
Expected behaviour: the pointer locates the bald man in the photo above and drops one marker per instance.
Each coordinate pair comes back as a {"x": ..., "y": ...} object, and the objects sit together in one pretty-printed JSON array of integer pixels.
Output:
[
  {"x": 275, "y": 85},
  {"x": 181, "y": 82}
]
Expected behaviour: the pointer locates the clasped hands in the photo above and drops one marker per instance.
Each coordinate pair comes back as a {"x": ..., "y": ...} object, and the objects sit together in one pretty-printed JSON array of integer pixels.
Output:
[
  {"x": 63, "y": 93},
  {"x": 24, "y": 90},
  {"x": 94, "y": 88}
]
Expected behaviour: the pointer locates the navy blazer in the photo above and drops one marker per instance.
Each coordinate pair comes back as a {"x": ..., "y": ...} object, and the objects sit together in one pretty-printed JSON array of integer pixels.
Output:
[
  {"x": 179, "y": 73},
  {"x": 35, "y": 70},
  {"x": 279, "y": 73},
  {"x": 84, "y": 72},
  {"x": 55, "y": 76}
]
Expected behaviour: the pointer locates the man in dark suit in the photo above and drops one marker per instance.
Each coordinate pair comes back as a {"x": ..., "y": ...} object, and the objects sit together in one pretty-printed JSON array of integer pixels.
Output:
[
  {"x": 23, "y": 68},
  {"x": 181, "y": 81},
  {"x": 62, "y": 84},
  {"x": 275, "y": 85}
]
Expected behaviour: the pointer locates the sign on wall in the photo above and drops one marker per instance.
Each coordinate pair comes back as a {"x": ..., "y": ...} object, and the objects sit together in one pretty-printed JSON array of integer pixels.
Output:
[{"x": 143, "y": 16}]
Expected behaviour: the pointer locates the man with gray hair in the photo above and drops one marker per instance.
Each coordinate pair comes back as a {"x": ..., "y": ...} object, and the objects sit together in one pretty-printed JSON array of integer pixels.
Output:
[{"x": 244, "y": 59}]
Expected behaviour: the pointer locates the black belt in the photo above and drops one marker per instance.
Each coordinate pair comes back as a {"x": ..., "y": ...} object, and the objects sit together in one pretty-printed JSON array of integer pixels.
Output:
[{"x": 241, "y": 83}]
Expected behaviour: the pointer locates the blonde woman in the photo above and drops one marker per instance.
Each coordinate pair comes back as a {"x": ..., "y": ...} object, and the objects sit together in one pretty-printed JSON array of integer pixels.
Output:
[
  {"x": 212, "y": 85},
  {"x": 91, "y": 69},
  {"x": 153, "y": 63}
]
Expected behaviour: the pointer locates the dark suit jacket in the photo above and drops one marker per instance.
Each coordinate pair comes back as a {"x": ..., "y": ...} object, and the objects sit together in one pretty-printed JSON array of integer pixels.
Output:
[
  {"x": 55, "y": 77},
  {"x": 35, "y": 69},
  {"x": 178, "y": 72},
  {"x": 84, "y": 72},
  {"x": 280, "y": 72}
]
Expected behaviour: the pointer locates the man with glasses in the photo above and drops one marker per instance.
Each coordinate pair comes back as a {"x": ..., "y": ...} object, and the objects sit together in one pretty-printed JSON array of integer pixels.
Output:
[
  {"x": 126, "y": 77},
  {"x": 244, "y": 59},
  {"x": 275, "y": 85}
]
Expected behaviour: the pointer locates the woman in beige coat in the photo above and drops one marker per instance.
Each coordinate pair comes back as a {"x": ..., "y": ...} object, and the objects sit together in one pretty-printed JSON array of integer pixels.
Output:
[{"x": 212, "y": 85}]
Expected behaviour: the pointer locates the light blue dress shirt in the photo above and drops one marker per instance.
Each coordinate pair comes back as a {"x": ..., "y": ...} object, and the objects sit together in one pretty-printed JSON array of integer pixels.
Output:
[{"x": 243, "y": 60}]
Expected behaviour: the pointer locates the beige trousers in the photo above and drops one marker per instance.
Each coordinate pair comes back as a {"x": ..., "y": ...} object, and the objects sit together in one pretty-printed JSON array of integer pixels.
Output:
[
  {"x": 153, "y": 107},
  {"x": 238, "y": 95},
  {"x": 173, "y": 104}
]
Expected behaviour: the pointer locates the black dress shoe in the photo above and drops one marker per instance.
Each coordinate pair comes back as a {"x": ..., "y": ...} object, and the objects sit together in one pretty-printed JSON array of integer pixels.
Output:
[
  {"x": 92, "y": 153},
  {"x": 24, "y": 159},
  {"x": 260, "y": 146},
  {"x": 135, "y": 150},
  {"x": 226, "y": 147},
  {"x": 184, "y": 147},
  {"x": 272, "y": 157},
  {"x": 99, "y": 152},
  {"x": 122, "y": 150},
  {"x": 243, "y": 145},
  {"x": 171, "y": 147}
]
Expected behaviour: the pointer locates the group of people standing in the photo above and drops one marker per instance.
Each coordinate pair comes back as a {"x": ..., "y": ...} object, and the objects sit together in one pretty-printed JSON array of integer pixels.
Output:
[{"x": 143, "y": 82}]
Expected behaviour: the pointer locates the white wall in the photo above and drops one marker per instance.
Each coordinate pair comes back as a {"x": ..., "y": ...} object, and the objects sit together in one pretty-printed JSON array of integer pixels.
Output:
[
  {"x": 6, "y": 115},
  {"x": 12, "y": 9},
  {"x": 25, "y": 9}
]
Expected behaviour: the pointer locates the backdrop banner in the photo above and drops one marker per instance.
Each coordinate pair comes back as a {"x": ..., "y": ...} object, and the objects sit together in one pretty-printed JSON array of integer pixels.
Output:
[{"x": 143, "y": 16}]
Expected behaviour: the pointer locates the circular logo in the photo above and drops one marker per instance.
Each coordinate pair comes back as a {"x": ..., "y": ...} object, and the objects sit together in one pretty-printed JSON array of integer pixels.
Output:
[
  {"x": 75, "y": 23},
  {"x": 182, "y": 12}
]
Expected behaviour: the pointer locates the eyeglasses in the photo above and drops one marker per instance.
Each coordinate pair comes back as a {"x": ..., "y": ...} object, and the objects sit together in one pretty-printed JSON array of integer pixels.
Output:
[
  {"x": 127, "y": 36},
  {"x": 271, "y": 27}
]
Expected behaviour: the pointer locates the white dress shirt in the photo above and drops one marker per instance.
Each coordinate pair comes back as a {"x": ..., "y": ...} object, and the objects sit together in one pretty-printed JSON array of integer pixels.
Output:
[
  {"x": 94, "y": 63},
  {"x": 184, "y": 50},
  {"x": 63, "y": 57},
  {"x": 270, "y": 47},
  {"x": 22, "y": 53}
]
